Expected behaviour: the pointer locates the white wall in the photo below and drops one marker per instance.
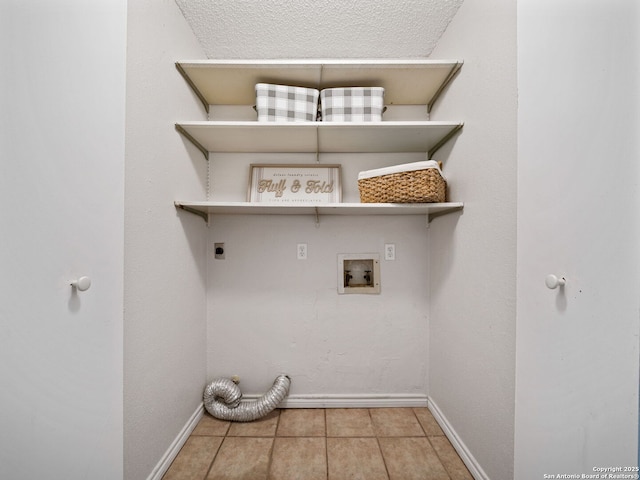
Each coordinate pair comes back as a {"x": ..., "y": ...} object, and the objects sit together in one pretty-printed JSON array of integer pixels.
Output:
[
  {"x": 61, "y": 184},
  {"x": 577, "y": 349},
  {"x": 271, "y": 313},
  {"x": 473, "y": 254},
  {"x": 165, "y": 303}
]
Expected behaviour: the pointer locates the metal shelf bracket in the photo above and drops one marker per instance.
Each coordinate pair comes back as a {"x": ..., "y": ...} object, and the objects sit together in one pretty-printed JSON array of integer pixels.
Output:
[
  {"x": 193, "y": 86},
  {"x": 194, "y": 211},
  {"x": 444, "y": 140},
  {"x": 197, "y": 144},
  {"x": 431, "y": 216},
  {"x": 452, "y": 73}
]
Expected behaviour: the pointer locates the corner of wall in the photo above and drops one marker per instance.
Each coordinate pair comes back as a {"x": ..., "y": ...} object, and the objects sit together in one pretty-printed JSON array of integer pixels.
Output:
[
  {"x": 165, "y": 249},
  {"x": 472, "y": 322}
]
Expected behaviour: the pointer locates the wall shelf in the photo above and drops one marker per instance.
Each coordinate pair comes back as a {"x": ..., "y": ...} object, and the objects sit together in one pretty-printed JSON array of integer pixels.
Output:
[
  {"x": 232, "y": 82},
  {"x": 318, "y": 137},
  {"x": 431, "y": 210}
]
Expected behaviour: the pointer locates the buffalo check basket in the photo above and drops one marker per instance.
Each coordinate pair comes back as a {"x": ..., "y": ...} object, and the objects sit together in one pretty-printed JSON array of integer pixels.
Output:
[
  {"x": 352, "y": 104},
  {"x": 283, "y": 103}
]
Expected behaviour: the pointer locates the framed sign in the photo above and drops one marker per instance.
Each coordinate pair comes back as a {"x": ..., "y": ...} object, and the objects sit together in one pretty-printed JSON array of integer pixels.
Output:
[{"x": 291, "y": 184}]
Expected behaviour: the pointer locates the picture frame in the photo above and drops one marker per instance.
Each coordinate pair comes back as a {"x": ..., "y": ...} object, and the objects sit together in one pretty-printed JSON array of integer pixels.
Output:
[{"x": 291, "y": 184}]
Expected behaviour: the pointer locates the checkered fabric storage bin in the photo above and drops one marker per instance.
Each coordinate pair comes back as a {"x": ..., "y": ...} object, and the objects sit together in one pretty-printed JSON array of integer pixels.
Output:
[
  {"x": 282, "y": 103},
  {"x": 352, "y": 104}
]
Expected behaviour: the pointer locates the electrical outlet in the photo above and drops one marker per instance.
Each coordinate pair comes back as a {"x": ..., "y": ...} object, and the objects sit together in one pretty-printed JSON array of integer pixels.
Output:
[
  {"x": 302, "y": 251},
  {"x": 389, "y": 251},
  {"x": 218, "y": 251}
]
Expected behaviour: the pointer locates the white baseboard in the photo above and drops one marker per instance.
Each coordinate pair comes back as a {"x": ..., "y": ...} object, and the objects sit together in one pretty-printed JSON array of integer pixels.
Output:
[
  {"x": 469, "y": 460},
  {"x": 165, "y": 462},
  {"x": 351, "y": 400}
]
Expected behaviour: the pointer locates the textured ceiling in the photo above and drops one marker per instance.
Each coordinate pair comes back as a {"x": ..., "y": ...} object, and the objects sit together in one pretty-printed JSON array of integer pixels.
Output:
[{"x": 318, "y": 28}]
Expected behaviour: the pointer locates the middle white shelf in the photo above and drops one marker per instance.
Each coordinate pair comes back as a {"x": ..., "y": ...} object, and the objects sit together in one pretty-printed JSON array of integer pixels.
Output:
[
  {"x": 318, "y": 137},
  {"x": 247, "y": 208}
]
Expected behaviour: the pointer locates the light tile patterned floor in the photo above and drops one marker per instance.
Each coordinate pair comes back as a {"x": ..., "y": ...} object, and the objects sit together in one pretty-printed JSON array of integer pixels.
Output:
[{"x": 318, "y": 444}]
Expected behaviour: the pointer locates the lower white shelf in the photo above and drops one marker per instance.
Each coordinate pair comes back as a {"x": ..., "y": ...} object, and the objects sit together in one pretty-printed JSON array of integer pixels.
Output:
[{"x": 245, "y": 208}]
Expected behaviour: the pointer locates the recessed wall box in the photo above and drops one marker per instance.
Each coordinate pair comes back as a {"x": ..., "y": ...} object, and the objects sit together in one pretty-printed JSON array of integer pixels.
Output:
[{"x": 358, "y": 273}]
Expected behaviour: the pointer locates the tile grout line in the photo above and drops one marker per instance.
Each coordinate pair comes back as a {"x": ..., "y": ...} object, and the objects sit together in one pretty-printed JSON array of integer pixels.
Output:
[
  {"x": 444, "y": 465},
  {"x": 384, "y": 461},
  {"x": 428, "y": 437},
  {"x": 273, "y": 445},
  {"x": 326, "y": 443},
  {"x": 214, "y": 458},
  {"x": 377, "y": 437}
]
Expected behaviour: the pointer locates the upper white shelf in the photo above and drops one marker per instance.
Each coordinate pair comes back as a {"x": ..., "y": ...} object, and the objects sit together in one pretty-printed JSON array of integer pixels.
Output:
[
  {"x": 232, "y": 82},
  {"x": 318, "y": 137}
]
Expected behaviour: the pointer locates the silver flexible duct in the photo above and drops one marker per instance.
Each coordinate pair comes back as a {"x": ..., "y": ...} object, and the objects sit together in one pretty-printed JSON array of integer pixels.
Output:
[{"x": 222, "y": 399}]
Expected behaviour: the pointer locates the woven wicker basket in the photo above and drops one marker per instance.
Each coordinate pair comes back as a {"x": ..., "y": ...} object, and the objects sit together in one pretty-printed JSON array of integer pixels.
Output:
[{"x": 417, "y": 186}]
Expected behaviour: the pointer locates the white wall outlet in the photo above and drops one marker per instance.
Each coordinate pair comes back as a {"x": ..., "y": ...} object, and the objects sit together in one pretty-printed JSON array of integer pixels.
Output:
[
  {"x": 302, "y": 251},
  {"x": 389, "y": 251},
  {"x": 218, "y": 251}
]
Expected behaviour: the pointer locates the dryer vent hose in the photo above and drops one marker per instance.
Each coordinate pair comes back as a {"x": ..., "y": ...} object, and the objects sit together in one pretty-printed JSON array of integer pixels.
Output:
[{"x": 223, "y": 400}]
